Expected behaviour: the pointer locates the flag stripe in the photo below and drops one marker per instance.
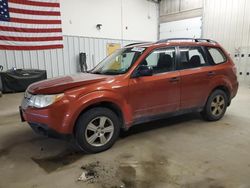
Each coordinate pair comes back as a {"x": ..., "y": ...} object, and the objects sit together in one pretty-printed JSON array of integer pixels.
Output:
[
  {"x": 35, "y": 3},
  {"x": 36, "y": 8},
  {"x": 30, "y": 30},
  {"x": 34, "y": 12},
  {"x": 33, "y": 17},
  {"x": 31, "y": 21},
  {"x": 32, "y": 26},
  {"x": 23, "y": 34},
  {"x": 30, "y": 39},
  {"x": 25, "y": 43},
  {"x": 45, "y": 47},
  {"x": 48, "y": 1}
]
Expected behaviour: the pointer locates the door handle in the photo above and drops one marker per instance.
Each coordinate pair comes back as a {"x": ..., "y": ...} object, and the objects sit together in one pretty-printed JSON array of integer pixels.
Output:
[
  {"x": 211, "y": 73},
  {"x": 174, "y": 79}
]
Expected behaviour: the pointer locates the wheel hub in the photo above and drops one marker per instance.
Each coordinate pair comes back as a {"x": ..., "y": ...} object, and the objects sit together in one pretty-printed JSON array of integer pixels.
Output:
[{"x": 99, "y": 131}]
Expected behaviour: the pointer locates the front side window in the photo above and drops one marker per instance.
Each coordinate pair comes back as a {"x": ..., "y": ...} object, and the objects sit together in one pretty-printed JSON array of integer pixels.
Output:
[
  {"x": 161, "y": 60},
  {"x": 217, "y": 55},
  {"x": 192, "y": 57},
  {"x": 119, "y": 62}
]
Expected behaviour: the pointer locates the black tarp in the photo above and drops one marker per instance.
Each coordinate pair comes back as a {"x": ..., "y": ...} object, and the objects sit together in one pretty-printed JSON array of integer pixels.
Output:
[{"x": 18, "y": 80}]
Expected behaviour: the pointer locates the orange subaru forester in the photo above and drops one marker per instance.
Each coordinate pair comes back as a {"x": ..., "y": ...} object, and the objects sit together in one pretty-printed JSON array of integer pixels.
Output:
[{"x": 136, "y": 84}]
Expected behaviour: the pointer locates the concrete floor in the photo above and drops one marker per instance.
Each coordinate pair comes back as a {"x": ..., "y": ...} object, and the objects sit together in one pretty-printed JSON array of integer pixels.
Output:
[{"x": 183, "y": 151}]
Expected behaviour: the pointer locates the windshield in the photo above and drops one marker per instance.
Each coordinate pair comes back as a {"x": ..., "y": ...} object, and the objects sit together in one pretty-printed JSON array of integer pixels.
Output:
[{"x": 119, "y": 62}]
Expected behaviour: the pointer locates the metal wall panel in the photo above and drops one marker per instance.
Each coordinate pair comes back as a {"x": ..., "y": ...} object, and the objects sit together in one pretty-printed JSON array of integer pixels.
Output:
[
  {"x": 59, "y": 62},
  {"x": 177, "y": 6},
  {"x": 228, "y": 22},
  {"x": 182, "y": 28},
  {"x": 188, "y": 5},
  {"x": 173, "y": 10}
]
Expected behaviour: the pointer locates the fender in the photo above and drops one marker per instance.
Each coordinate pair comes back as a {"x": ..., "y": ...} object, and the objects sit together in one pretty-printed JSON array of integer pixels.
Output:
[
  {"x": 95, "y": 97},
  {"x": 218, "y": 81}
]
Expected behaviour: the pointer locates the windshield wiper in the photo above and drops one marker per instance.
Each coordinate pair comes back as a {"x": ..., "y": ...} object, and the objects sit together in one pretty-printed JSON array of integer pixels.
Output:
[
  {"x": 112, "y": 72},
  {"x": 96, "y": 72}
]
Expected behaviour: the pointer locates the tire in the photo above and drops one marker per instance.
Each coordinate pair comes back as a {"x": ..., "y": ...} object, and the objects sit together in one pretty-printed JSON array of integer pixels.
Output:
[
  {"x": 216, "y": 106},
  {"x": 97, "y": 130}
]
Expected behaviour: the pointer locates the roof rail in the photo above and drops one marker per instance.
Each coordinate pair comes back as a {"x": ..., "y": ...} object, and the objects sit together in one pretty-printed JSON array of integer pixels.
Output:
[
  {"x": 135, "y": 43},
  {"x": 192, "y": 39},
  {"x": 207, "y": 40}
]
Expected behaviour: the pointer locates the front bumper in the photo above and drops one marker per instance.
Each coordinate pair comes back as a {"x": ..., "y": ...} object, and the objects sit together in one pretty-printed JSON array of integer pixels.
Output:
[
  {"x": 55, "y": 117},
  {"x": 46, "y": 131}
]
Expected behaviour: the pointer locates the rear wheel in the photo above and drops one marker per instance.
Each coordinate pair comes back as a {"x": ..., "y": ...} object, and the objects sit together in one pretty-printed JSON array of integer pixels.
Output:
[
  {"x": 97, "y": 130},
  {"x": 216, "y": 106}
]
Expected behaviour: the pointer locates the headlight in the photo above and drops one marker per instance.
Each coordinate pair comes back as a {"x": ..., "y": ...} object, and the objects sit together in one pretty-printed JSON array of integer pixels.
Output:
[{"x": 41, "y": 101}]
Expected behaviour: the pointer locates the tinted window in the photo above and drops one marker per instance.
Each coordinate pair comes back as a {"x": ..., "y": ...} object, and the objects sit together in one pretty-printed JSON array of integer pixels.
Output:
[
  {"x": 217, "y": 55},
  {"x": 192, "y": 57},
  {"x": 161, "y": 60}
]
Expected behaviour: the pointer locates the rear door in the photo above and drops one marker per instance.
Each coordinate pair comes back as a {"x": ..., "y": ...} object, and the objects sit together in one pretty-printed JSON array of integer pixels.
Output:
[{"x": 195, "y": 73}]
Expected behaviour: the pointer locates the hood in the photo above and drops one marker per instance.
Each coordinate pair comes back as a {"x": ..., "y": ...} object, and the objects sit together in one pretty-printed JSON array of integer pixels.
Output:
[{"x": 61, "y": 84}]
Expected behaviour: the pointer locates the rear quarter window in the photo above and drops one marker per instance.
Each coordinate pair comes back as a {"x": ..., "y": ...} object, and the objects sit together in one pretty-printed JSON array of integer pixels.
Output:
[{"x": 217, "y": 55}]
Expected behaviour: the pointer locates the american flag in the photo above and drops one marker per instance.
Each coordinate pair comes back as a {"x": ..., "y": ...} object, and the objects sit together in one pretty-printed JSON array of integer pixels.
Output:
[{"x": 30, "y": 25}]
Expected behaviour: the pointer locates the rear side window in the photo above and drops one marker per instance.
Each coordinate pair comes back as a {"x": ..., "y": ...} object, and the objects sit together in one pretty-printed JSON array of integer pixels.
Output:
[
  {"x": 192, "y": 57},
  {"x": 217, "y": 55}
]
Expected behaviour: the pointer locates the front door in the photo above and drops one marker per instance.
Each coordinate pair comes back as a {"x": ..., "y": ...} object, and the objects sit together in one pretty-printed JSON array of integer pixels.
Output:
[{"x": 159, "y": 93}]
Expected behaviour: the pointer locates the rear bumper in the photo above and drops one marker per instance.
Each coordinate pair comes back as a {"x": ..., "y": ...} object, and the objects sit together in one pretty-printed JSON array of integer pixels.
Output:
[{"x": 44, "y": 130}]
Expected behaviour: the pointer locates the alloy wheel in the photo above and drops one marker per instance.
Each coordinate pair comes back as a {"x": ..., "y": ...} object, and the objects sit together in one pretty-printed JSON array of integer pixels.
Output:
[
  {"x": 218, "y": 105},
  {"x": 99, "y": 131}
]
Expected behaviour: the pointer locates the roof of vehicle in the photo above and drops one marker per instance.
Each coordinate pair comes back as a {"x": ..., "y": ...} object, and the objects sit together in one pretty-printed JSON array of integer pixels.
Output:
[{"x": 176, "y": 42}]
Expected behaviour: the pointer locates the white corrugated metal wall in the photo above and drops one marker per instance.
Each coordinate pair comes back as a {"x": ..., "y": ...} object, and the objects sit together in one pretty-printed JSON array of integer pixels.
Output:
[
  {"x": 180, "y": 18},
  {"x": 173, "y": 10},
  {"x": 188, "y": 28},
  {"x": 228, "y": 22},
  {"x": 59, "y": 62}
]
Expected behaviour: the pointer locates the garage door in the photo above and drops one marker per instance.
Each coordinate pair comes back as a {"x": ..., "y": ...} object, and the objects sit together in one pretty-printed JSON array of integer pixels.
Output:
[{"x": 187, "y": 28}]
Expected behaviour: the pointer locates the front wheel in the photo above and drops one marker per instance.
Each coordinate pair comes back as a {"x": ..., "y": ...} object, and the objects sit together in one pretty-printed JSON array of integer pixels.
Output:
[
  {"x": 97, "y": 130},
  {"x": 216, "y": 106}
]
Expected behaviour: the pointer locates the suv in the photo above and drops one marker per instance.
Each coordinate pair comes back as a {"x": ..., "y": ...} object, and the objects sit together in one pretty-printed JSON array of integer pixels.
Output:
[{"x": 136, "y": 84}]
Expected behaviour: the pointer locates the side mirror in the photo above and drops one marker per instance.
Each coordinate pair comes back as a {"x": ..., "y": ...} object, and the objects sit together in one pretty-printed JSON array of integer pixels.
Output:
[{"x": 143, "y": 70}]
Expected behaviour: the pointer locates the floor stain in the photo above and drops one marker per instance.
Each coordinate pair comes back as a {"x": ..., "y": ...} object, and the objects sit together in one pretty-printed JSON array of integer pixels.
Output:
[
  {"x": 126, "y": 155},
  {"x": 4, "y": 152},
  {"x": 130, "y": 174},
  {"x": 104, "y": 174},
  {"x": 52, "y": 163},
  {"x": 127, "y": 176},
  {"x": 205, "y": 183}
]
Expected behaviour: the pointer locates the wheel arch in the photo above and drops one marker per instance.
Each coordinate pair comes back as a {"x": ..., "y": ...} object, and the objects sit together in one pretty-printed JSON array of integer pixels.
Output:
[
  {"x": 223, "y": 88},
  {"x": 105, "y": 104}
]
